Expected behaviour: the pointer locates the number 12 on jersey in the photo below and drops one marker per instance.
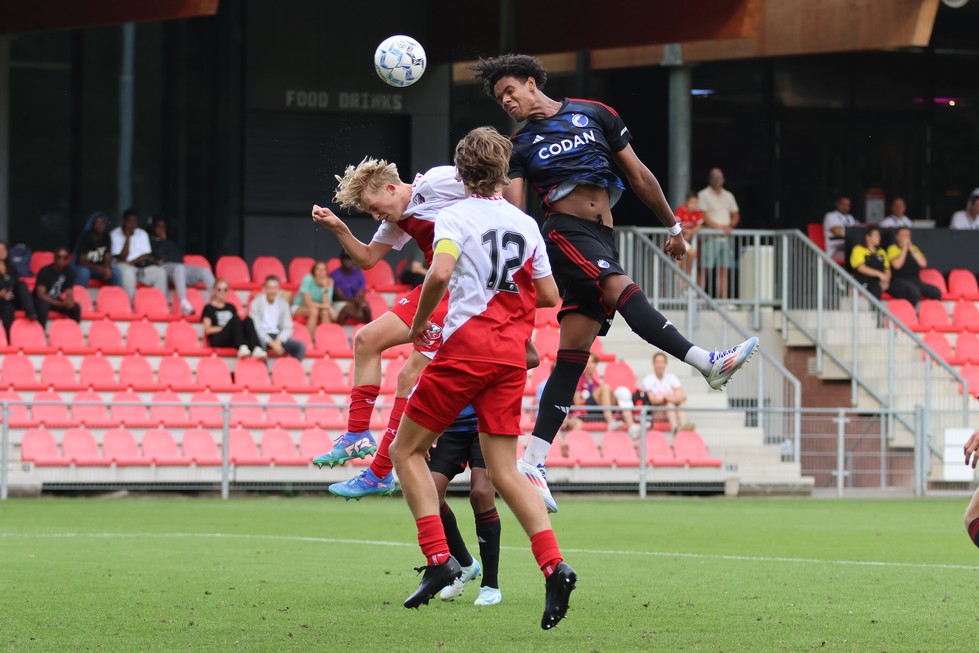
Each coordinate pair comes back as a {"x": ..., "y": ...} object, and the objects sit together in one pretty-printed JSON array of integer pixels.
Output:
[{"x": 501, "y": 245}]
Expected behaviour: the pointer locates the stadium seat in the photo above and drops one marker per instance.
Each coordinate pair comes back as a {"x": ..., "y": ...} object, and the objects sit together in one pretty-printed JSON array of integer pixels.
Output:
[
  {"x": 935, "y": 278},
  {"x": 962, "y": 285},
  {"x": 39, "y": 260},
  {"x": 66, "y": 336},
  {"x": 658, "y": 451},
  {"x": 17, "y": 372},
  {"x": 152, "y": 305},
  {"x": 332, "y": 263},
  {"x": 398, "y": 351},
  {"x": 247, "y": 411},
  {"x": 129, "y": 411},
  {"x": 89, "y": 410},
  {"x": 28, "y": 336},
  {"x": 182, "y": 337},
  {"x": 332, "y": 340},
  {"x": 932, "y": 316},
  {"x": 598, "y": 349},
  {"x": 113, "y": 302},
  {"x": 213, "y": 374},
  {"x": 547, "y": 341},
  {"x": 96, "y": 372},
  {"x": 966, "y": 349},
  {"x": 904, "y": 311},
  {"x": 204, "y": 415},
  {"x": 200, "y": 448},
  {"x": 279, "y": 448},
  {"x": 159, "y": 448},
  {"x": 301, "y": 333},
  {"x": 78, "y": 447},
  {"x": 196, "y": 300},
  {"x": 18, "y": 417},
  {"x": 174, "y": 373},
  {"x": 119, "y": 448},
  {"x": 583, "y": 449},
  {"x": 242, "y": 449},
  {"x": 971, "y": 375},
  {"x": 5, "y": 347},
  {"x": 313, "y": 442},
  {"x": 689, "y": 447},
  {"x": 135, "y": 372},
  {"x": 288, "y": 373},
  {"x": 85, "y": 303},
  {"x": 253, "y": 374},
  {"x": 546, "y": 317},
  {"x": 817, "y": 234},
  {"x": 143, "y": 337},
  {"x": 379, "y": 305},
  {"x": 325, "y": 375},
  {"x": 380, "y": 278},
  {"x": 299, "y": 267},
  {"x": 389, "y": 385},
  {"x": 282, "y": 410},
  {"x": 618, "y": 450},
  {"x": 263, "y": 266},
  {"x": 39, "y": 447},
  {"x": 965, "y": 317},
  {"x": 58, "y": 372},
  {"x": 556, "y": 458},
  {"x": 50, "y": 410},
  {"x": 104, "y": 337},
  {"x": 234, "y": 270},
  {"x": 538, "y": 375},
  {"x": 620, "y": 374},
  {"x": 322, "y": 411},
  {"x": 940, "y": 344},
  {"x": 199, "y": 261},
  {"x": 168, "y": 411}
]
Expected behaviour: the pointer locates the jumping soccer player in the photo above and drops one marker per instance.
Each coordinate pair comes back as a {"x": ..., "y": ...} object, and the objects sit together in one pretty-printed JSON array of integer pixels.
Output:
[
  {"x": 972, "y": 512},
  {"x": 491, "y": 257},
  {"x": 566, "y": 151}
]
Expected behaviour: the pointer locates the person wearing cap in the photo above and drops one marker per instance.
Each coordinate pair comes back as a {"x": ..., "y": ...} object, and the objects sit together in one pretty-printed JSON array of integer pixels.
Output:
[{"x": 969, "y": 217}]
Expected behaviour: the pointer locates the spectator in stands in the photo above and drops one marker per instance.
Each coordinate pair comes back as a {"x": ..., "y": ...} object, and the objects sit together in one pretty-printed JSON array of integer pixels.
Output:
[
  {"x": 834, "y": 228},
  {"x": 969, "y": 217},
  {"x": 869, "y": 263},
  {"x": 414, "y": 270},
  {"x": 662, "y": 388},
  {"x": 168, "y": 254},
  {"x": 720, "y": 212},
  {"x": 314, "y": 299},
  {"x": 13, "y": 292},
  {"x": 53, "y": 290},
  {"x": 906, "y": 262},
  {"x": 897, "y": 218},
  {"x": 273, "y": 321},
  {"x": 593, "y": 391},
  {"x": 224, "y": 328},
  {"x": 349, "y": 290},
  {"x": 93, "y": 258},
  {"x": 134, "y": 255},
  {"x": 691, "y": 219}
]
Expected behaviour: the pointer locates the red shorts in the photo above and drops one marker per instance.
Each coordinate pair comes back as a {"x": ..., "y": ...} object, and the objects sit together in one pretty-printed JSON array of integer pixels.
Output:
[
  {"x": 447, "y": 386},
  {"x": 406, "y": 307}
]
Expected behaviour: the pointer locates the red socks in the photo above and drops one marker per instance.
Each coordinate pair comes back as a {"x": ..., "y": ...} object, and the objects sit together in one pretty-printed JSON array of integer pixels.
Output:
[
  {"x": 431, "y": 539},
  {"x": 362, "y": 398},
  {"x": 546, "y": 551},
  {"x": 382, "y": 465}
]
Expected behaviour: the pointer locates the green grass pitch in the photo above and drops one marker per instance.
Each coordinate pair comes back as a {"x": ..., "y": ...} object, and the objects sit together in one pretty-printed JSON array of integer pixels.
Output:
[{"x": 320, "y": 574}]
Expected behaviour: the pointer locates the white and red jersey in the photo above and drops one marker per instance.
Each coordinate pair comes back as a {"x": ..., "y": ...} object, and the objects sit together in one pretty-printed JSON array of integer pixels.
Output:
[
  {"x": 430, "y": 193},
  {"x": 492, "y": 297}
]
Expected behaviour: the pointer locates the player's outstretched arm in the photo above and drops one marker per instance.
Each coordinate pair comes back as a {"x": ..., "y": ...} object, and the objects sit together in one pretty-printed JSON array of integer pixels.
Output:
[
  {"x": 547, "y": 292},
  {"x": 515, "y": 193},
  {"x": 645, "y": 185},
  {"x": 364, "y": 255}
]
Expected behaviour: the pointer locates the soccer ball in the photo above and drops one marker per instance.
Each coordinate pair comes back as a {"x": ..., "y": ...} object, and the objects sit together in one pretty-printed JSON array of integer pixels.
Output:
[{"x": 400, "y": 60}]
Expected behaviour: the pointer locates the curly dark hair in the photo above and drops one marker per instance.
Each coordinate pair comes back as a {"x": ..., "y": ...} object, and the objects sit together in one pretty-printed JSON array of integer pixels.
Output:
[{"x": 520, "y": 66}]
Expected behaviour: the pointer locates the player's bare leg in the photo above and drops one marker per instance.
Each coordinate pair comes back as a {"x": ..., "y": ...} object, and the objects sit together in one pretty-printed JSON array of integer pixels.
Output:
[{"x": 971, "y": 450}]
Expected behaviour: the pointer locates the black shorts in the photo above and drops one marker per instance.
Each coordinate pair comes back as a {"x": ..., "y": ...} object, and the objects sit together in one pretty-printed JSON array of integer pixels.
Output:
[
  {"x": 453, "y": 451},
  {"x": 582, "y": 253}
]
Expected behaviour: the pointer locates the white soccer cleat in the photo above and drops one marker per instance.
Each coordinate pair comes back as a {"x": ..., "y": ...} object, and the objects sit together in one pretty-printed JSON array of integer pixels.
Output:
[
  {"x": 489, "y": 596},
  {"x": 454, "y": 591},
  {"x": 726, "y": 363},
  {"x": 537, "y": 475}
]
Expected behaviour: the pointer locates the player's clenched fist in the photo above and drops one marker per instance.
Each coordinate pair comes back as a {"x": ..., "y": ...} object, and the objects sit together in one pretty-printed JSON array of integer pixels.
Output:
[{"x": 325, "y": 217}]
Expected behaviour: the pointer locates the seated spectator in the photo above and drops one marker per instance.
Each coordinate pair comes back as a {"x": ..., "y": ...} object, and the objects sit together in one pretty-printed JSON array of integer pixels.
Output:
[
  {"x": 593, "y": 391},
  {"x": 897, "y": 218},
  {"x": 349, "y": 290},
  {"x": 223, "y": 327},
  {"x": 662, "y": 388},
  {"x": 834, "y": 228},
  {"x": 869, "y": 263},
  {"x": 93, "y": 257},
  {"x": 273, "y": 321},
  {"x": 13, "y": 292},
  {"x": 53, "y": 288},
  {"x": 133, "y": 254},
  {"x": 906, "y": 261},
  {"x": 968, "y": 218},
  {"x": 168, "y": 254},
  {"x": 314, "y": 299},
  {"x": 691, "y": 220}
]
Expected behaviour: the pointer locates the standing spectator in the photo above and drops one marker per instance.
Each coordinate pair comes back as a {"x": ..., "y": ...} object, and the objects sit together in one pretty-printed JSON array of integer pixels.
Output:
[
  {"x": 968, "y": 218},
  {"x": 13, "y": 292},
  {"x": 314, "y": 299},
  {"x": 691, "y": 219},
  {"x": 169, "y": 255},
  {"x": 273, "y": 321},
  {"x": 869, "y": 263},
  {"x": 834, "y": 228},
  {"x": 350, "y": 288},
  {"x": 906, "y": 261},
  {"x": 53, "y": 289},
  {"x": 897, "y": 218},
  {"x": 134, "y": 256},
  {"x": 224, "y": 328},
  {"x": 93, "y": 257},
  {"x": 720, "y": 212},
  {"x": 662, "y": 388}
]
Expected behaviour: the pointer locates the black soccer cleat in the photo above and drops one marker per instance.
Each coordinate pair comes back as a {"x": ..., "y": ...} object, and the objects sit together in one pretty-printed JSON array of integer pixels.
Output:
[
  {"x": 436, "y": 577},
  {"x": 559, "y": 586}
]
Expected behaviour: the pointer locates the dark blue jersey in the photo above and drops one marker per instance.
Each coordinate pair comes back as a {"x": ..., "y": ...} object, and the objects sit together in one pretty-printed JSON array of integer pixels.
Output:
[
  {"x": 574, "y": 146},
  {"x": 465, "y": 422}
]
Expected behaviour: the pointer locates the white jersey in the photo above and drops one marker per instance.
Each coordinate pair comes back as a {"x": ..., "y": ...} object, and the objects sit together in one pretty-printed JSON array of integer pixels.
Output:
[
  {"x": 658, "y": 386},
  {"x": 430, "y": 193},
  {"x": 492, "y": 297}
]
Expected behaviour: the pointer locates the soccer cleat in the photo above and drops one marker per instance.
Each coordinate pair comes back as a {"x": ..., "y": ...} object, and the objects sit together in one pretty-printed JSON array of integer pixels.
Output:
[
  {"x": 347, "y": 447},
  {"x": 559, "y": 586},
  {"x": 454, "y": 591},
  {"x": 725, "y": 363},
  {"x": 537, "y": 475},
  {"x": 489, "y": 596},
  {"x": 364, "y": 485},
  {"x": 436, "y": 577}
]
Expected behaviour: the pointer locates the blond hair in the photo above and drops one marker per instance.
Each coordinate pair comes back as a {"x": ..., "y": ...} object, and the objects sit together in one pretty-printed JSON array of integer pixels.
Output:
[
  {"x": 482, "y": 160},
  {"x": 370, "y": 175}
]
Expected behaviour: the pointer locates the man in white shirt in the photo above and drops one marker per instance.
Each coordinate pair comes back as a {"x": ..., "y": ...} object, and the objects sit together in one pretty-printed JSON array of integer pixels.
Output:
[
  {"x": 273, "y": 321},
  {"x": 134, "y": 256},
  {"x": 720, "y": 212},
  {"x": 834, "y": 228},
  {"x": 662, "y": 388},
  {"x": 897, "y": 218},
  {"x": 968, "y": 218}
]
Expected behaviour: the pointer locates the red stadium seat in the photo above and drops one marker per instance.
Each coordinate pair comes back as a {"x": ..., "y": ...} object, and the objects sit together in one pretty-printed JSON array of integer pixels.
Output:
[
  {"x": 658, "y": 451},
  {"x": 96, "y": 372},
  {"x": 129, "y": 412},
  {"x": 66, "y": 336},
  {"x": 242, "y": 449},
  {"x": 28, "y": 336},
  {"x": 205, "y": 415},
  {"x": 332, "y": 340},
  {"x": 114, "y": 302},
  {"x": 971, "y": 375},
  {"x": 17, "y": 371},
  {"x": 390, "y": 383},
  {"x": 104, "y": 337},
  {"x": 85, "y": 303},
  {"x": 940, "y": 344},
  {"x": 182, "y": 337},
  {"x": 79, "y": 447},
  {"x": 143, "y": 337},
  {"x": 332, "y": 263},
  {"x": 213, "y": 374},
  {"x": 537, "y": 376},
  {"x": 325, "y": 375},
  {"x": 174, "y": 373},
  {"x": 88, "y": 409},
  {"x": 299, "y": 267},
  {"x": 253, "y": 374},
  {"x": 200, "y": 448},
  {"x": 966, "y": 349},
  {"x": 935, "y": 278},
  {"x": 247, "y": 411},
  {"x": 689, "y": 447},
  {"x": 167, "y": 411},
  {"x": 313, "y": 442},
  {"x": 119, "y": 448},
  {"x": 198, "y": 261},
  {"x": 620, "y": 374},
  {"x": 196, "y": 300},
  {"x": 381, "y": 278},
  {"x": 599, "y": 350},
  {"x": 322, "y": 411},
  {"x": 547, "y": 341},
  {"x": 301, "y": 333},
  {"x": 618, "y": 450},
  {"x": 583, "y": 449},
  {"x": 288, "y": 373},
  {"x": 51, "y": 411},
  {"x": 159, "y": 448},
  {"x": 279, "y": 448},
  {"x": 282, "y": 410},
  {"x": 263, "y": 266},
  {"x": 135, "y": 372},
  {"x": 904, "y": 311},
  {"x": 932, "y": 316},
  {"x": 962, "y": 285},
  {"x": 18, "y": 417},
  {"x": 39, "y": 260},
  {"x": 152, "y": 304},
  {"x": 39, "y": 447},
  {"x": 556, "y": 458},
  {"x": 817, "y": 234},
  {"x": 965, "y": 317},
  {"x": 234, "y": 270},
  {"x": 398, "y": 351},
  {"x": 546, "y": 317},
  {"x": 379, "y": 305},
  {"x": 5, "y": 347},
  {"x": 58, "y": 372}
]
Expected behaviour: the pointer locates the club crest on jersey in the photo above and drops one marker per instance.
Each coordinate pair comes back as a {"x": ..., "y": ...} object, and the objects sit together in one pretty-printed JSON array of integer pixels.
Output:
[
  {"x": 418, "y": 199},
  {"x": 602, "y": 263},
  {"x": 579, "y": 120}
]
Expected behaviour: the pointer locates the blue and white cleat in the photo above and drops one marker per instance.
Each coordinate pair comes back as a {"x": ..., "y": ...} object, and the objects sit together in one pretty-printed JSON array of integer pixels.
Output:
[
  {"x": 454, "y": 591},
  {"x": 489, "y": 596},
  {"x": 537, "y": 475},
  {"x": 364, "y": 484},
  {"x": 347, "y": 447},
  {"x": 726, "y": 363}
]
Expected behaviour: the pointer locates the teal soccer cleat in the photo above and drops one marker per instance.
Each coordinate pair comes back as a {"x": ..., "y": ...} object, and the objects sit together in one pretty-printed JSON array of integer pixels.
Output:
[
  {"x": 364, "y": 484},
  {"x": 349, "y": 446}
]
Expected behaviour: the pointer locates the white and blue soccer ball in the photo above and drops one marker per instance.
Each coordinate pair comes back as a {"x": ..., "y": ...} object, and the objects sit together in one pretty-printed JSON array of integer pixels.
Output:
[{"x": 400, "y": 60}]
